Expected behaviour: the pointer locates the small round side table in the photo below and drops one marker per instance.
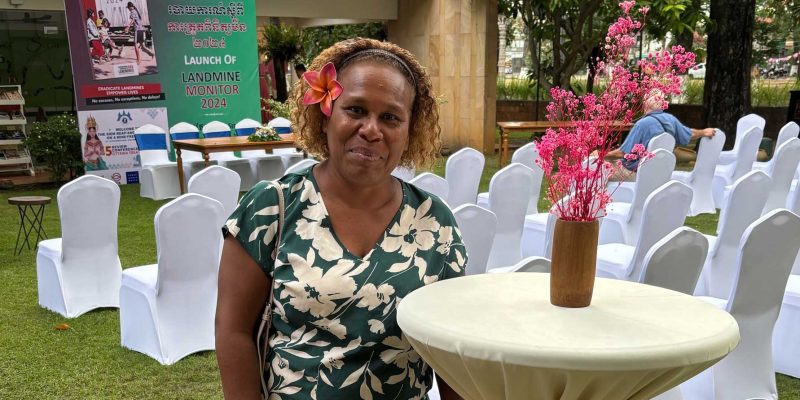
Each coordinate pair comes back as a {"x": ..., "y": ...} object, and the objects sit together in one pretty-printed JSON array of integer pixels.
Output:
[{"x": 30, "y": 219}]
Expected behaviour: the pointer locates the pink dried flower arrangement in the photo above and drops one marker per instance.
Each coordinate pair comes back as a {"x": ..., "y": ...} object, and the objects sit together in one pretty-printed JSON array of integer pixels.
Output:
[{"x": 597, "y": 120}]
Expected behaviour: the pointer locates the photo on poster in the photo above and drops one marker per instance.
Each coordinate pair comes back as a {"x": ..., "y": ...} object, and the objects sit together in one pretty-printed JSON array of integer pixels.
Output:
[
  {"x": 108, "y": 142},
  {"x": 120, "y": 38}
]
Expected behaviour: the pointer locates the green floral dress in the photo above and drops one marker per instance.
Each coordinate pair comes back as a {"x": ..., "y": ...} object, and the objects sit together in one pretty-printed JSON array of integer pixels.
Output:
[{"x": 334, "y": 330}]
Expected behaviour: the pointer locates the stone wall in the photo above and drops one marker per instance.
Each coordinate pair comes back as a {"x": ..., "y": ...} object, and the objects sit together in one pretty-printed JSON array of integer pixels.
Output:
[{"x": 456, "y": 41}]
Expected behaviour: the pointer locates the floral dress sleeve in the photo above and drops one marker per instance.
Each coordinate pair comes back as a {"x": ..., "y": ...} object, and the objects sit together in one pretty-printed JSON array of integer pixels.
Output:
[{"x": 254, "y": 224}]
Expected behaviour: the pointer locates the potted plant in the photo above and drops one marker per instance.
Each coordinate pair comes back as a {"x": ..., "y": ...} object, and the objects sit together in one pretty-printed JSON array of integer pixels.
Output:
[{"x": 573, "y": 156}]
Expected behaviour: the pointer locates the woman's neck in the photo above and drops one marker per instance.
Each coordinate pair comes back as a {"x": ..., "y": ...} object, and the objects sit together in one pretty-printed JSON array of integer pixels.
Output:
[{"x": 357, "y": 194}]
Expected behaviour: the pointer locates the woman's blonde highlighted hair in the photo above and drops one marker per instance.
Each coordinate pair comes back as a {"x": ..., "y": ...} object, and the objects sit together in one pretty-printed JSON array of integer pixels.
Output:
[{"x": 423, "y": 132}]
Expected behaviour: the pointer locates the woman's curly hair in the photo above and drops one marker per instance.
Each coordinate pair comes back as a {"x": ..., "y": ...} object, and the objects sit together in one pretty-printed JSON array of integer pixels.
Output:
[{"x": 424, "y": 131}]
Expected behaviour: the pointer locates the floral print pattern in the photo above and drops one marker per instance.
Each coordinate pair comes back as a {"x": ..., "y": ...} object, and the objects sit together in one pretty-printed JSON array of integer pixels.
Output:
[{"x": 334, "y": 330}]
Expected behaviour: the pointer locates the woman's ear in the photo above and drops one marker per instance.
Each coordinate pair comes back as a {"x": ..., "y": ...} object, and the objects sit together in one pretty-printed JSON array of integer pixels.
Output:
[{"x": 325, "y": 121}]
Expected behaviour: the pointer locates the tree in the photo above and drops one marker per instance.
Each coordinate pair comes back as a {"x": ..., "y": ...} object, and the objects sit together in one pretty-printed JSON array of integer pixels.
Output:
[
  {"x": 726, "y": 96},
  {"x": 320, "y": 38},
  {"x": 679, "y": 17},
  {"x": 282, "y": 44}
]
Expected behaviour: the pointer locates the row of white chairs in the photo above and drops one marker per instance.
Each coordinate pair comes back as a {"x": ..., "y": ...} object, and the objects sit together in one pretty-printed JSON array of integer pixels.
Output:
[
  {"x": 159, "y": 176},
  {"x": 160, "y": 314}
]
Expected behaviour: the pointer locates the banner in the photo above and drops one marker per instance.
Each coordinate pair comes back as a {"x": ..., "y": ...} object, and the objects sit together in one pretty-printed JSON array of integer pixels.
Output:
[
  {"x": 183, "y": 60},
  {"x": 211, "y": 69},
  {"x": 109, "y": 147}
]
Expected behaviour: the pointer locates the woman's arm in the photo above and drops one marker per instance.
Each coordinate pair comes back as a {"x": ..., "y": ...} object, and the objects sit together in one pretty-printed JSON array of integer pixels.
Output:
[
  {"x": 242, "y": 295},
  {"x": 445, "y": 391}
]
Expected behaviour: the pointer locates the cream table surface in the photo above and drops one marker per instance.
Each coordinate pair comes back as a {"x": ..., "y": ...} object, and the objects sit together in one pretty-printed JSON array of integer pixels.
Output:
[{"x": 496, "y": 336}]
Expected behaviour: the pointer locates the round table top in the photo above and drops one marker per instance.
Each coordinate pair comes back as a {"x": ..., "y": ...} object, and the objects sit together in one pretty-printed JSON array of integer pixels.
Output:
[
  {"x": 29, "y": 200},
  {"x": 508, "y": 318}
]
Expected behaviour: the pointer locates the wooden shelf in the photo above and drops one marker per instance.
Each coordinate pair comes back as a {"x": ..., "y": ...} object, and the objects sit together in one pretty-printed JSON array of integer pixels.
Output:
[
  {"x": 11, "y": 142},
  {"x": 12, "y": 102},
  {"x": 15, "y": 161},
  {"x": 15, "y": 121}
]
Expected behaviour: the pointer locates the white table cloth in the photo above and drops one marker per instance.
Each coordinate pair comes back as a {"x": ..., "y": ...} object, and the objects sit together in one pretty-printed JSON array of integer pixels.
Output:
[{"x": 496, "y": 336}]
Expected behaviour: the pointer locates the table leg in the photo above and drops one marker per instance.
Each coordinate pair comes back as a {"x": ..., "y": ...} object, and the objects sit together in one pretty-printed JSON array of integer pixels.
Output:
[
  {"x": 20, "y": 230},
  {"x": 38, "y": 223},
  {"x": 180, "y": 169},
  {"x": 504, "y": 138},
  {"x": 205, "y": 158}
]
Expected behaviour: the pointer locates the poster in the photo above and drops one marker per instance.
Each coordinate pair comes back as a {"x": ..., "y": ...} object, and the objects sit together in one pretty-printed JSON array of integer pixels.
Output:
[
  {"x": 211, "y": 69},
  {"x": 120, "y": 39},
  {"x": 108, "y": 142},
  {"x": 182, "y": 60}
]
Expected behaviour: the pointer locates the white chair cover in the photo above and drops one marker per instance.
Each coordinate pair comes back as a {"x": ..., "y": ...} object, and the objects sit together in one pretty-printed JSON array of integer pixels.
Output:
[
  {"x": 478, "y": 227},
  {"x": 663, "y": 141},
  {"x": 725, "y": 175},
  {"x": 781, "y": 171},
  {"x": 227, "y": 159},
  {"x": 297, "y": 167},
  {"x": 265, "y": 166},
  {"x": 431, "y": 183},
  {"x": 742, "y": 126},
  {"x": 192, "y": 161},
  {"x": 509, "y": 192},
  {"x": 785, "y": 346},
  {"x": 167, "y": 309},
  {"x": 405, "y": 174},
  {"x": 768, "y": 249},
  {"x": 622, "y": 221},
  {"x": 463, "y": 172},
  {"x": 218, "y": 183},
  {"x": 527, "y": 156},
  {"x": 699, "y": 179},
  {"x": 81, "y": 270},
  {"x": 528, "y": 264},
  {"x": 744, "y": 206},
  {"x": 158, "y": 178},
  {"x": 663, "y": 212},
  {"x": 675, "y": 261},
  {"x": 289, "y": 156},
  {"x": 788, "y": 131}
]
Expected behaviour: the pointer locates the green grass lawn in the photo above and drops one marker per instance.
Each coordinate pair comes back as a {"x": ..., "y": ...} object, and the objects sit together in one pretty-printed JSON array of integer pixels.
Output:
[{"x": 86, "y": 361}]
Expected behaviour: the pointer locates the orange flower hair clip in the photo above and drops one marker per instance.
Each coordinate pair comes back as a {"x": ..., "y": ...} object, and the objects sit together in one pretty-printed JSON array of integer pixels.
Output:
[{"x": 324, "y": 88}]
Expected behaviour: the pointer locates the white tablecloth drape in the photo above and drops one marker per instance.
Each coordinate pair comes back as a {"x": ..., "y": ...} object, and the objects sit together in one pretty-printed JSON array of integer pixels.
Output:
[{"x": 497, "y": 336}]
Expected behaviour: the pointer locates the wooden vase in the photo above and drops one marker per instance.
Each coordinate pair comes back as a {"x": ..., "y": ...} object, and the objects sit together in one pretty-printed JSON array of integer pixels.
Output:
[{"x": 574, "y": 263}]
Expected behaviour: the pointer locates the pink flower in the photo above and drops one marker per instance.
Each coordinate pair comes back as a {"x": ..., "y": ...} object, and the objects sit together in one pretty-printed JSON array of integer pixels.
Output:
[
  {"x": 573, "y": 156},
  {"x": 324, "y": 88}
]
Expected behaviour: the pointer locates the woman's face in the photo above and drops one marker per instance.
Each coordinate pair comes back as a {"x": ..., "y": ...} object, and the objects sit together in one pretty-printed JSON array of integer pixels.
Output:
[
  {"x": 368, "y": 130},
  {"x": 91, "y": 133}
]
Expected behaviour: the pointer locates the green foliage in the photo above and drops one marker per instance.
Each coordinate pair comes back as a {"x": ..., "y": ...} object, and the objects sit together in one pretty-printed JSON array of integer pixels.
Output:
[
  {"x": 279, "y": 109},
  {"x": 764, "y": 92},
  {"x": 57, "y": 141},
  {"x": 320, "y": 38},
  {"x": 283, "y": 42},
  {"x": 693, "y": 91}
]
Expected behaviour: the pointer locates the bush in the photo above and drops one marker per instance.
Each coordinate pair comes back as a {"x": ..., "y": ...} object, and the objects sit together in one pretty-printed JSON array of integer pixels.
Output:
[
  {"x": 57, "y": 142},
  {"x": 278, "y": 109}
]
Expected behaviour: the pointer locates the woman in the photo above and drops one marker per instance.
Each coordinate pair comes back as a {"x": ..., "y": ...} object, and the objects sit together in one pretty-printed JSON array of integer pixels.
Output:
[
  {"x": 93, "y": 148},
  {"x": 355, "y": 240},
  {"x": 95, "y": 47},
  {"x": 138, "y": 31}
]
